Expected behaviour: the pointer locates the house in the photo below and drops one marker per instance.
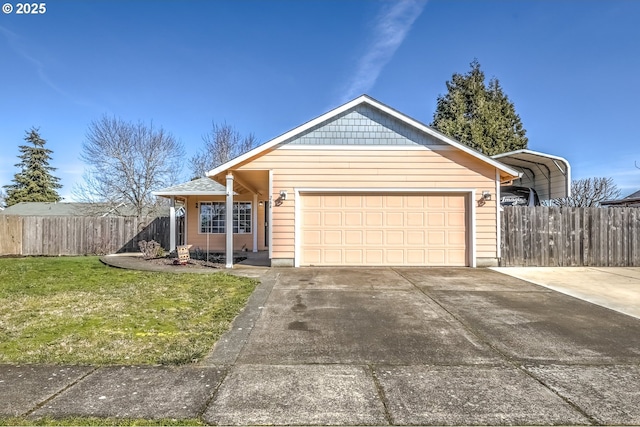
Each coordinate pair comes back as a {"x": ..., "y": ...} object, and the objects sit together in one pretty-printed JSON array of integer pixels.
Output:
[
  {"x": 78, "y": 209},
  {"x": 361, "y": 185},
  {"x": 631, "y": 200}
]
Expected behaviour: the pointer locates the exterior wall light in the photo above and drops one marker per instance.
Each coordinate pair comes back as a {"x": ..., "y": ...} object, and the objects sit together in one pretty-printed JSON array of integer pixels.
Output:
[
  {"x": 283, "y": 194},
  {"x": 486, "y": 195}
]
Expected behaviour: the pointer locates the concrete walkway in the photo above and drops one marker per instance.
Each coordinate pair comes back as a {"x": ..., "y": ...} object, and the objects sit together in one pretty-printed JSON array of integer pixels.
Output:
[
  {"x": 381, "y": 346},
  {"x": 617, "y": 288}
]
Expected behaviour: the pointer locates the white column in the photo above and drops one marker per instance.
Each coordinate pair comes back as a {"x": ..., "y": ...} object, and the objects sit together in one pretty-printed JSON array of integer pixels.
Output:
[
  {"x": 172, "y": 224},
  {"x": 229, "y": 221},
  {"x": 254, "y": 222}
]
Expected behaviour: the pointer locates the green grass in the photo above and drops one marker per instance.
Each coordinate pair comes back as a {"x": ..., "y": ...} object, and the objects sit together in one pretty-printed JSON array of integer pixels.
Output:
[
  {"x": 21, "y": 421},
  {"x": 78, "y": 311}
]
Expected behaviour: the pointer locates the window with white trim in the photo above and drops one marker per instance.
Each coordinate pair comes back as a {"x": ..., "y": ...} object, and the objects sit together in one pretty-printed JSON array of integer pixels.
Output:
[{"x": 213, "y": 217}]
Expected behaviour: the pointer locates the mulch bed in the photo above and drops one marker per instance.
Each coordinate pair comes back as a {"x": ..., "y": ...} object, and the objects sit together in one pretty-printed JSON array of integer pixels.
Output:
[{"x": 214, "y": 262}]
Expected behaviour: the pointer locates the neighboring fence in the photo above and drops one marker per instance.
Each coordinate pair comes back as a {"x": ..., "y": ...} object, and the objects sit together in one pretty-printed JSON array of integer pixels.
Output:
[
  {"x": 10, "y": 235},
  {"x": 553, "y": 236},
  {"x": 79, "y": 235}
]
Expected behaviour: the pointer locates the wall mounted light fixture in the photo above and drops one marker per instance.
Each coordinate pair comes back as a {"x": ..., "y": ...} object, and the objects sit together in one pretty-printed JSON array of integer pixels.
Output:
[
  {"x": 486, "y": 195},
  {"x": 283, "y": 194}
]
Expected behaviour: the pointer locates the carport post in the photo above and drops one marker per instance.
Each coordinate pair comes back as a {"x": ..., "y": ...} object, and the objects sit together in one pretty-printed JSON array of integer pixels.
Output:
[{"x": 229, "y": 221}]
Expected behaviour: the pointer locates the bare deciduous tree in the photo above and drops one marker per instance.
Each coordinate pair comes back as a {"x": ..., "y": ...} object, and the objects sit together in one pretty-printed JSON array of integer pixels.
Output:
[
  {"x": 221, "y": 144},
  {"x": 126, "y": 162},
  {"x": 589, "y": 192}
]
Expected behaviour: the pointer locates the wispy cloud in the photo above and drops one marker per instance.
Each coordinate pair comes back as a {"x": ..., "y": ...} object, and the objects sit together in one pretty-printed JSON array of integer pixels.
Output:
[
  {"x": 15, "y": 42},
  {"x": 390, "y": 29}
]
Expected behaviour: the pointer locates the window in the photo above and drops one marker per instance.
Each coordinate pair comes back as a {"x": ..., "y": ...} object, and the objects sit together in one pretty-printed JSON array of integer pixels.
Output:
[{"x": 213, "y": 217}]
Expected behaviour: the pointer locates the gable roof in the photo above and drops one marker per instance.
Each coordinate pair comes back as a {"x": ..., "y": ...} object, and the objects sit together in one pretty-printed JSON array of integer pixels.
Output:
[
  {"x": 196, "y": 187},
  {"x": 632, "y": 199},
  {"x": 362, "y": 100}
]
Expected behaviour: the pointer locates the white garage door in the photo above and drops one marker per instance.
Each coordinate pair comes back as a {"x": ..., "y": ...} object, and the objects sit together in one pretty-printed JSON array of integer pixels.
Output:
[{"x": 383, "y": 229}]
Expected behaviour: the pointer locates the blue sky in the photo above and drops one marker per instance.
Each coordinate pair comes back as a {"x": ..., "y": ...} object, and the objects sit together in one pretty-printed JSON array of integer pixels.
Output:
[{"x": 572, "y": 69}]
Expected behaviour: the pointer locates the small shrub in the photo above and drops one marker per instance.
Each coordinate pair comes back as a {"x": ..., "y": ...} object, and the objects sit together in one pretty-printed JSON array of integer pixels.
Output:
[{"x": 151, "y": 249}]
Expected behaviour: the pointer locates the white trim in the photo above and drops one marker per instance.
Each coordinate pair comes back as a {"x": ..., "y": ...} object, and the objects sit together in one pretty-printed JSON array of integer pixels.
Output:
[
  {"x": 469, "y": 209},
  {"x": 472, "y": 228},
  {"x": 270, "y": 219},
  {"x": 498, "y": 225},
  {"x": 363, "y": 99},
  {"x": 229, "y": 223},
  {"x": 344, "y": 147},
  {"x": 254, "y": 221},
  {"x": 172, "y": 225}
]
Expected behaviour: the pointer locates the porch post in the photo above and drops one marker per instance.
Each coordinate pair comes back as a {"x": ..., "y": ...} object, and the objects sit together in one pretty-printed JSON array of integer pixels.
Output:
[
  {"x": 254, "y": 222},
  {"x": 229, "y": 221},
  {"x": 172, "y": 224}
]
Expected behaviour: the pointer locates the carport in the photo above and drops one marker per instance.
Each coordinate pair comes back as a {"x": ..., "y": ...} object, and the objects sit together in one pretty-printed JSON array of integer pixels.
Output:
[{"x": 549, "y": 175}]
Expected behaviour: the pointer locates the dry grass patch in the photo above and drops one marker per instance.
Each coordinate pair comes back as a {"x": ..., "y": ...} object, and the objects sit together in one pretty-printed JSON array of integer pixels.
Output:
[{"x": 78, "y": 311}]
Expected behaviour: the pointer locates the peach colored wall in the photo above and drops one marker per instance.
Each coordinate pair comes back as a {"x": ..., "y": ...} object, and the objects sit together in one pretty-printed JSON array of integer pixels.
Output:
[
  {"x": 371, "y": 168},
  {"x": 217, "y": 241}
]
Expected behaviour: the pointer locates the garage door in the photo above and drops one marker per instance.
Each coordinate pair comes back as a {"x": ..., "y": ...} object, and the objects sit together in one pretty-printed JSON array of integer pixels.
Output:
[{"x": 383, "y": 229}]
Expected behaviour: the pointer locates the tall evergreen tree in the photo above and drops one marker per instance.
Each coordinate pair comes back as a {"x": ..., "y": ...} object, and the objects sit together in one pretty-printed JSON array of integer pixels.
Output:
[
  {"x": 479, "y": 116},
  {"x": 34, "y": 182}
]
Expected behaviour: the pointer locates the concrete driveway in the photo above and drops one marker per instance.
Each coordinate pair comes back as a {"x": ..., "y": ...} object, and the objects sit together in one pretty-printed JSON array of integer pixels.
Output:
[{"x": 424, "y": 346}]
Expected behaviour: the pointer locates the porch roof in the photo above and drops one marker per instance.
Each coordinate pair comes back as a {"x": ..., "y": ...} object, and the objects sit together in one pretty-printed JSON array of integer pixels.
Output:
[{"x": 196, "y": 187}]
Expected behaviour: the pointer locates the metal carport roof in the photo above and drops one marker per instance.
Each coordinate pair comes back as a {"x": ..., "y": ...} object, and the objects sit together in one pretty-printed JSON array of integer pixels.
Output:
[{"x": 549, "y": 175}]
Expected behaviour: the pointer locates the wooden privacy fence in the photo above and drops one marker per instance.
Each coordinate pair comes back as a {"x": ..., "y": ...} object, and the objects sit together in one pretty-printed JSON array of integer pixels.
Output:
[
  {"x": 79, "y": 235},
  {"x": 557, "y": 237}
]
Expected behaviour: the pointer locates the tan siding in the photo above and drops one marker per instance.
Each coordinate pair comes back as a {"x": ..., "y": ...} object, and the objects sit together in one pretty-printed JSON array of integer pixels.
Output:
[
  {"x": 216, "y": 242},
  {"x": 375, "y": 169}
]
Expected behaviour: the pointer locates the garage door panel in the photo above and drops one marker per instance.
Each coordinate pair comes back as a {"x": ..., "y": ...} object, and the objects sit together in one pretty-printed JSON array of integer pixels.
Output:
[
  {"x": 353, "y": 219},
  {"x": 383, "y": 229},
  {"x": 374, "y": 237},
  {"x": 332, "y": 237},
  {"x": 332, "y": 219},
  {"x": 415, "y": 219},
  {"x": 353, "y": 237},
  {"x": 415, "y": 237},
  {"x": 394, "y": 219},
  {"x": 395, "y": 237},
  {"x": 374, "y": 219},
  {"x": 436, "y": 219}
]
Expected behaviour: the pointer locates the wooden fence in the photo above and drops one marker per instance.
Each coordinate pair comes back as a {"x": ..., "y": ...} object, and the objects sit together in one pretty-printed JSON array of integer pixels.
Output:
[
  {"x": 78, "y": 235},
  {"x": 553, "y": 236}
]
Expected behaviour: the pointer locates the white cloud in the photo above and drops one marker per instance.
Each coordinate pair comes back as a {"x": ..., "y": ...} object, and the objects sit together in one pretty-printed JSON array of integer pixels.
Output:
[{"x": 391, "y": 27}]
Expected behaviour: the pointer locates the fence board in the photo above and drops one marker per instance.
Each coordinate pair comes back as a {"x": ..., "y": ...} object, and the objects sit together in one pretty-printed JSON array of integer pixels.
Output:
[
  {"x": 10, "y": 235},
  {"x": 553, "y": 236},
  {"x": 78, "y": 235}
]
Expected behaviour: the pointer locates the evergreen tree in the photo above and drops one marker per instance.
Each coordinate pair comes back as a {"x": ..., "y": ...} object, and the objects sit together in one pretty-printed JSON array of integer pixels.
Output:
[
  {"x": 479, "y": 116},
  {"x": 34, "y": 182}
]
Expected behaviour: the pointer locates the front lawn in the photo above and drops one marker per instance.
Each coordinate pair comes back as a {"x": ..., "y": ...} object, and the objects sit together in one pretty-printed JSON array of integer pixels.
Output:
[{"x": 79, "y": 311}]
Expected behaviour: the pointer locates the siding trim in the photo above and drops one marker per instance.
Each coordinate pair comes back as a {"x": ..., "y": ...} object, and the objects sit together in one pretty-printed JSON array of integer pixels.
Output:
[
  {"x": 470, "y": 215},
  {"x": 372, "y": 147},
  {"x": 498, "y": 224}
]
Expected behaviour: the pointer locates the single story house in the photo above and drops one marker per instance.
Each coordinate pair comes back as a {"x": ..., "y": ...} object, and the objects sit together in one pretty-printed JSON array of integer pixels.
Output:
[
  {"x": 47, "y": 209},
  {"x": 632, "y": 200},
  {"x": 361, "y": 185}
]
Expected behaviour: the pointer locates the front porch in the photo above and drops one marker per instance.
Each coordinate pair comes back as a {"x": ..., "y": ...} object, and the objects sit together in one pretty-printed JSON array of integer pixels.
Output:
[{"x": 207, "y": 226}]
